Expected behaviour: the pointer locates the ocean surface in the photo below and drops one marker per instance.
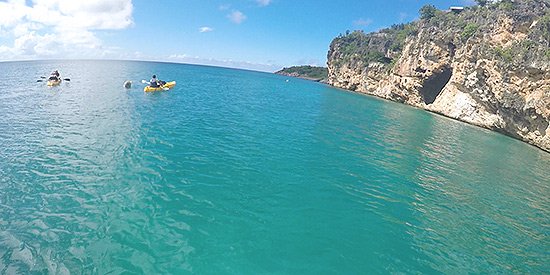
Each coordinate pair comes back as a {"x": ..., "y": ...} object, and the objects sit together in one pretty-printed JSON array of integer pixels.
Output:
[{"x": 240, "y": 172}]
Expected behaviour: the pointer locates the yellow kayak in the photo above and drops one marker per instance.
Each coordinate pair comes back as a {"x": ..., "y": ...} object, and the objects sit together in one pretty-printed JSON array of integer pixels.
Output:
[
  {"x": 53, "y": 82},
  {"x": 167, "y": 86}
]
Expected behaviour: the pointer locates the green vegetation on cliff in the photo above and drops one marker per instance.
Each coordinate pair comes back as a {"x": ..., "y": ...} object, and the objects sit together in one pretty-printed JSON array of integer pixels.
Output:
[
  {"x": 357, "y": 49},
  {"x": 427, "y": 12},
  {"x": 308, "y": 72},
  {"x": 487, "y": 65}
]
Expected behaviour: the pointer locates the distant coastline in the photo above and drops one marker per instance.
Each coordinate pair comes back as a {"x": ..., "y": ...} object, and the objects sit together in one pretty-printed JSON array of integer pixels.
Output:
[{"x": 313, "y": 73}]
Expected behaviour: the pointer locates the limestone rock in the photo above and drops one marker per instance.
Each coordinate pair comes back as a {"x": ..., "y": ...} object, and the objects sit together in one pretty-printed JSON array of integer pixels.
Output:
[{"x": 488, "y": 66}]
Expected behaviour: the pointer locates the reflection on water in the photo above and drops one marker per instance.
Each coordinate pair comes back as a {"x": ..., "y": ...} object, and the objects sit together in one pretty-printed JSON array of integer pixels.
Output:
[{"x": 462, "y": 198}]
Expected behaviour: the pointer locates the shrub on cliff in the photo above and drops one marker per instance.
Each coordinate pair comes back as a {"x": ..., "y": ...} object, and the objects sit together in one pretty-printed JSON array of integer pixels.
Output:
[
  {"x": 355, "y": 50},
  {"x": 505, "y": 54},
  {"x": 469, "y": 30},
  {"x": 506, "y": 5},
  {"x": 544, "y": 27},
  {"x": 427, "y": 11},
  {"x": 375, "y": 56},
  {"x": 482, "y": 2},
  {"x": 398, "y": 34},
  {"x": 358, "y": 47}
]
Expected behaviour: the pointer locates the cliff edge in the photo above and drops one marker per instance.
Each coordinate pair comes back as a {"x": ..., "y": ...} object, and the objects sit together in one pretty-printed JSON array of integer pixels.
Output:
[{"x": 488, "y": 66}]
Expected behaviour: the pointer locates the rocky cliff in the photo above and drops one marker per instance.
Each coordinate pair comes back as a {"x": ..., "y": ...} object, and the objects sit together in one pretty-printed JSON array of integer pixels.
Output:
[{"x": 488, "y": 66}]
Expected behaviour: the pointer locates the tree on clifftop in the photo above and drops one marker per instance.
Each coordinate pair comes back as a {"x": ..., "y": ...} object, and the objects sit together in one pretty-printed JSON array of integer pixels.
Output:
[
  {"x": 427, "y": 11},
  {"x": 482, "y": 2}
]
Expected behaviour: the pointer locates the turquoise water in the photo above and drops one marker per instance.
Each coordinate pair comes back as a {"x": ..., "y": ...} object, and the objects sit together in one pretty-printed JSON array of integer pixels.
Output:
[{"x": 238, "y": 172}]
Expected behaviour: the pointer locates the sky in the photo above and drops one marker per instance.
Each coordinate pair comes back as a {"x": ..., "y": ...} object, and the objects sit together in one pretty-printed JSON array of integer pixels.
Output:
[{"x": 263, "y": 35}]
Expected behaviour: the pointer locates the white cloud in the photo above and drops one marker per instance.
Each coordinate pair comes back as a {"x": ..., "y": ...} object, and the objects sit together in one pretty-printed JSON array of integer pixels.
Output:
[
  {"x": 266, "y": 67},
  {"x": 362, "y": 22},
  {"x": 206, "y": 29},
  {"x": 177, "y": 56},
  {"x": 263, "y": 3},
  {"x": 11, "y": 12},
  {"x": 60, "y": 28},
  {"x": 25, "y": 28},
  {"x": 82, "y": 14},
  {"x": 236, "y": 17}
]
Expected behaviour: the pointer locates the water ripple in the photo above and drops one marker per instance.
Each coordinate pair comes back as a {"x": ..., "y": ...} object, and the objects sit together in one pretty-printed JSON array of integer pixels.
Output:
[{"x": 243, "y": 172}]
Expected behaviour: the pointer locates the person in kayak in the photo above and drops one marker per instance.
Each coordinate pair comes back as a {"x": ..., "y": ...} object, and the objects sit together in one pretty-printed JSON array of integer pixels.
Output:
[
  {"x": 155, "y": 83},
  {"x": 54, "y": 76}
]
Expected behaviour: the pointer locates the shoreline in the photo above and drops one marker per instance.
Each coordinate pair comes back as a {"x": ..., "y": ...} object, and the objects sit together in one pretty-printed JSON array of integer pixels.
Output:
[
  {"x": 320, "y": 80},
  {"x": 496, "y": 130},
  {"x": 497, "y": 82}
]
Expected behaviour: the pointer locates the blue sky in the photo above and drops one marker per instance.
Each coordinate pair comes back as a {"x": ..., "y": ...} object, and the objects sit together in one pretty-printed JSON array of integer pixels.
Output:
[{"x": 253, "y": 34}]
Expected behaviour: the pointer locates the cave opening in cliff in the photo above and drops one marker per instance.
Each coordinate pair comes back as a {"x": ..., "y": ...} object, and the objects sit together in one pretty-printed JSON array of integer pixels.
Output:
[{"x": 434, "y": 85}]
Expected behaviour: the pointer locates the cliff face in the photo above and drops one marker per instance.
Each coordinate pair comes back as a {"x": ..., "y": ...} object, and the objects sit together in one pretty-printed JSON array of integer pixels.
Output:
[{"x": 488, "y": 66}]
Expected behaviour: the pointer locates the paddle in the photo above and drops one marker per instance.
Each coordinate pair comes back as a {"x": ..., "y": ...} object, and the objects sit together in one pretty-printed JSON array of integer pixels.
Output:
[
  {"x": 149, "y": 83},
  {"x": 40, "y": 80}
]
